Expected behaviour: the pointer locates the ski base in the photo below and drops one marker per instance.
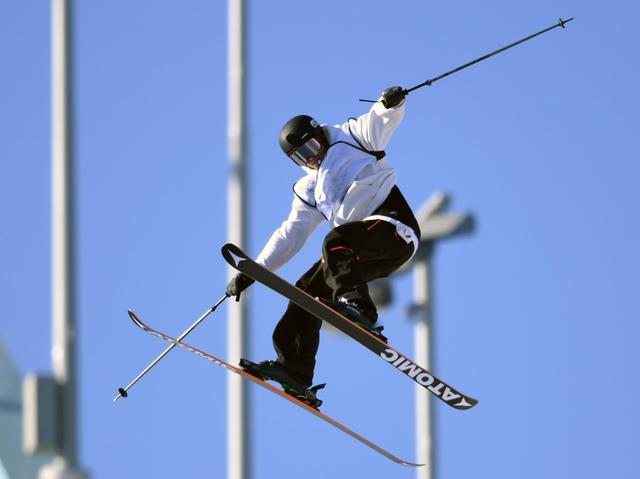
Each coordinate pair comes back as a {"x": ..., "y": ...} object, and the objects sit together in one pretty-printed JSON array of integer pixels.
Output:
[{"x": 138, "y": 322}]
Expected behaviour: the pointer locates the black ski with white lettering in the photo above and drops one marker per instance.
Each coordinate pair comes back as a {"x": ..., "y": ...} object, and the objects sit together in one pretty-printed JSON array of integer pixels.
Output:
[
  {"x": 304, "y": 404},
  {"x": 243, "y": 263}
]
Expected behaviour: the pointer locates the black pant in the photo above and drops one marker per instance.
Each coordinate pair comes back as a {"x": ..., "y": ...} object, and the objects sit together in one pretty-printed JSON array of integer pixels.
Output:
[{"x": 352, "y": 255}]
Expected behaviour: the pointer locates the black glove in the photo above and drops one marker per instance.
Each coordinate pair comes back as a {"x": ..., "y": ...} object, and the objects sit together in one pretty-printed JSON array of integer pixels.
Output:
[
  {"x": 238, "y": 284},
  {"x": 393, "y": 96}
]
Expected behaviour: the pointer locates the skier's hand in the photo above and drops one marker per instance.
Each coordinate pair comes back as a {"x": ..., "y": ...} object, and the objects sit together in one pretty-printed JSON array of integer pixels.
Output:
[
  {"x": 238, "y": 284},
  {"x": 393, "y": 96}
]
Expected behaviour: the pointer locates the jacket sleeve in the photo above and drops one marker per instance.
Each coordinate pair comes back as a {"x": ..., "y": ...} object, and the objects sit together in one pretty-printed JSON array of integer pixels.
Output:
[
  {"x": 374, "y": 129},
  {"x": 290, "y": 237}
]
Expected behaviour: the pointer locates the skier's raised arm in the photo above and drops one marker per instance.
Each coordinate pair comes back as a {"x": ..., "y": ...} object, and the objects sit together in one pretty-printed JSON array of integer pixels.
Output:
[{"x": 374, "y": 128}]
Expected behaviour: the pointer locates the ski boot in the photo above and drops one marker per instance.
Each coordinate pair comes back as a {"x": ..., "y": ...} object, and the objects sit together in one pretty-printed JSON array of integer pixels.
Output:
[
  {"x": 355, "y": 315},
  {"x": 274, "y": 371}
]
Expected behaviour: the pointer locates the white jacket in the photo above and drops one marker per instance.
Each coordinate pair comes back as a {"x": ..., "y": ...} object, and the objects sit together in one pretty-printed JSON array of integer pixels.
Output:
[{"x": 349, "y": 185}]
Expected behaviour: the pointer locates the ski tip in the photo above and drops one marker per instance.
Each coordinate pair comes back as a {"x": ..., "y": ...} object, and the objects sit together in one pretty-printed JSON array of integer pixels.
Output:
[
  {"x": 465, "y": 403},
  {"x": 233, "y": 254},
  {"x": 137, "y": 321}
]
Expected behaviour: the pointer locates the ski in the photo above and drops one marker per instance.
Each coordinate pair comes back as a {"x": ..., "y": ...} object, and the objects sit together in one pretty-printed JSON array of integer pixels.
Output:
[
  {"x": 138, "y": 322},
  {"x": 243, "y": 263}
]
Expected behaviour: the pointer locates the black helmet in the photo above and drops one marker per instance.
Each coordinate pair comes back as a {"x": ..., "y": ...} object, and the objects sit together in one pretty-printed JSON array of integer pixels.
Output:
[{"x": 302, "y": 139}]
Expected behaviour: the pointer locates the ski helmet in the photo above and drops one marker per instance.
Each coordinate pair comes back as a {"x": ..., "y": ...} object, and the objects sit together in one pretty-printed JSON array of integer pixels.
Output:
[{"x": 302, "y": 139}]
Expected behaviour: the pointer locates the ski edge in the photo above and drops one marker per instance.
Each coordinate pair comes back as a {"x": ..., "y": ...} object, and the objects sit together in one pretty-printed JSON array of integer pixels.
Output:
[{"x": 148, "y": 329}]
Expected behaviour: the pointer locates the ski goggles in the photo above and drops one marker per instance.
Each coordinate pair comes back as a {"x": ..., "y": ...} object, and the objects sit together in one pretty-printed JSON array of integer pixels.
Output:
[{"x": 302, "y": 155}]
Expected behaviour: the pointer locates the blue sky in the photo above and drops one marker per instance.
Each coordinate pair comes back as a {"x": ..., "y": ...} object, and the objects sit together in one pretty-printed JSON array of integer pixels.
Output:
[{"x": 536, "y": 313}]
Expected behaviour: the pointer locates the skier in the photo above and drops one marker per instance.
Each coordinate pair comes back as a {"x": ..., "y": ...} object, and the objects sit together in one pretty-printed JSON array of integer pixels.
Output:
[{"x": 348, "y": 182}]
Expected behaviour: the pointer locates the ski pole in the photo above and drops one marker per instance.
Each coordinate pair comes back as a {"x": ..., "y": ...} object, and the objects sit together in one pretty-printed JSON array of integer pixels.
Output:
[
  {"x": 431, "y": 81},
  {"x": 122, "y": 392}
]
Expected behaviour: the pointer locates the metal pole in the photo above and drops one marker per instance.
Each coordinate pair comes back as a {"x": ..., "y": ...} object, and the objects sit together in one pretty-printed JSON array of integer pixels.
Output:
[
  {"x": 423, "y": 304},
  {"x": 65, "y": 464},
  {"x": 430, "y": 82},
  {"x": 124, "y": 392},
  {"x": 237, "y": 400}
]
